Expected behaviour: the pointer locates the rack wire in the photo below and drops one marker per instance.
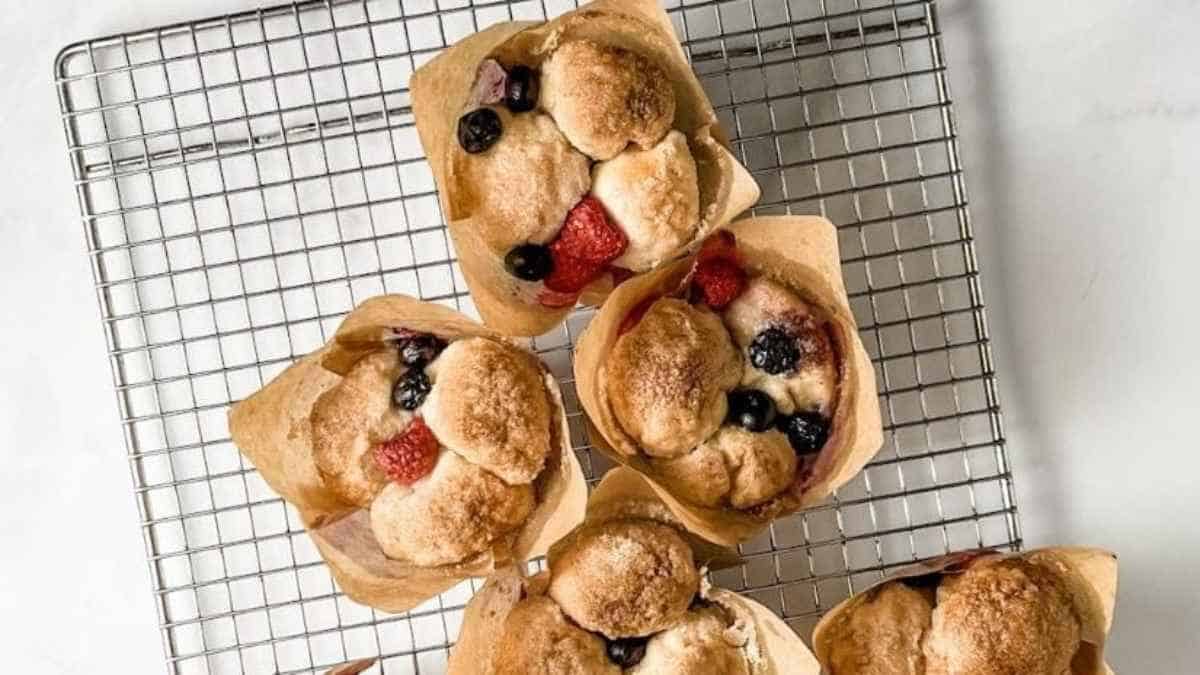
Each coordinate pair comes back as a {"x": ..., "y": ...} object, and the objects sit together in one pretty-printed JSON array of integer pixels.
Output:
[{"x": 245, "y": 180}]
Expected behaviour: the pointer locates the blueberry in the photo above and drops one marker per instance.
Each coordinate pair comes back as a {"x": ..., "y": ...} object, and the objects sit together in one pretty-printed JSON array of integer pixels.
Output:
[
  {"x": 521, "y": 89},
  {"x": 529, "y": 262},
  {"x": 626, "y": 652},
  {"x": 418, "y": 350},
  {"x": 774, "y": 351},
  {"x": 478, "y": 130},
  {"x": 752, "y": 409},
  {"x": 411, "y": 389},
  {"x": 806, "y": 431}
]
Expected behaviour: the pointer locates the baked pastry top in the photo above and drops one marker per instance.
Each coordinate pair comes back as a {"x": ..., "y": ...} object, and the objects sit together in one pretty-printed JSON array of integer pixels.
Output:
[
  {"x": 624, "y": 578},
  {"x": 442, "y": 443},
  {"x": 1003, "y": 617},
  {"x": 538, "y": 639},
  {"x": 529, "y": 182},
  {"x": 669, "y": 375},
  {"x": 999, "y": 616},
  {"x": 621, "y": 595},
  {"x": 884, "y": 634},
  {"x": 727, "y": 392},
  {"x": 605, "y": 97}
]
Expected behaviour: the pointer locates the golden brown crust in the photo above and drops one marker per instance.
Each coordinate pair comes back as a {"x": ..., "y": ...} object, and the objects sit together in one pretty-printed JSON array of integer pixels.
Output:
[
  {"x": 652, "y": 195},
  {"x": 457, "y": 511},
  {"x": 604, "y": 97},
  {"x": 537, "y": 639},
  {"x": 700, "y": 644},
  {"x": 1002, "y": 617},
  {"x": 733, "y": 467},
  {"x": 349, "y": 420},
  {"x": 668, "y": 377},
  {"x": 524, "y": 185},
  {"x": 883, "y": 633},
  {"x": 489, "y": 404},
  {"x": 761, "y": 464},
  {"x": 623, "y": 578}
]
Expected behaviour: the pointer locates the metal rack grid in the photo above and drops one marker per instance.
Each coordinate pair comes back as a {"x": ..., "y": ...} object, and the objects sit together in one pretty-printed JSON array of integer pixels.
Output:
[{"x": 245, "y": 180}]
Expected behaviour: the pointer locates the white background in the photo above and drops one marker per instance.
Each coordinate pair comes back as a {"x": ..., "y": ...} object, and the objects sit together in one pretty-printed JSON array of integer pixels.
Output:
[{"x": 1080, "y": 129}]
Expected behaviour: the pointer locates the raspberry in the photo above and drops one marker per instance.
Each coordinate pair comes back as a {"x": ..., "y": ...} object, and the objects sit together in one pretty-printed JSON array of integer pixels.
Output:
[
  {"x": 717, "y": 281},
  {"x": 586, "y": 244},
  {"x": 720, "y": 245},
  {"x": 588, "y": 235},
  {"x": 410, "y": 456}
]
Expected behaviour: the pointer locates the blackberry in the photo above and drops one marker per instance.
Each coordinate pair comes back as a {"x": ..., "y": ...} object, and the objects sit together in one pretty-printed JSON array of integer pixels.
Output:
[
  {"x": 420, "y": 349},
  {"x": 752, "y": 409},
  {"x": 529, "y": 262},
  {"x": 411, "y": 389},
  {"x": 806, "y": 431},
  {"x": 774, "y": 351},
  {"x": 626, "y": 652},
  {"x": 521, "y": 89},
  {"x": 479, "y": 130}
]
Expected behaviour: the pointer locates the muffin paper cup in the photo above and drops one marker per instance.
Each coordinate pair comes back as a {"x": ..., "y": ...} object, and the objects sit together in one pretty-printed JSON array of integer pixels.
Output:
[
  {"x": 801, "y": 253},
  {"x": 1089, "y": 574},
  {"x": 272, "y": 429},
  {"x": 771, "y": 647},
  {"x": 442, "y": 88}
]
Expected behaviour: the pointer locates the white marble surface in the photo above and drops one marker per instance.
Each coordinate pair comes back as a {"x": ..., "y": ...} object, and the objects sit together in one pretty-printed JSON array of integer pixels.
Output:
[{"x": 1080, "y": 126}]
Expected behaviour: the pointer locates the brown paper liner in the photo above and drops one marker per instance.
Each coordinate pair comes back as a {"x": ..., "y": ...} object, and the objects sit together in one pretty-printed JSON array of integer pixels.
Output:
[
  {"x": 272, "y": 429},
  {"x": 352, "y": 668},
  {"x": 1089, "y": 574},
  {"x": 772, "y": 647},
  {"x": 802, "y": 254},
  {"x": 440, "y": 91}
]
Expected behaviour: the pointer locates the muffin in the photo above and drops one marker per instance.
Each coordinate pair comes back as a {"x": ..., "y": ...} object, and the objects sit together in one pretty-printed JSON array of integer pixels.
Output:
[
  {"x": 735, "y": 381},
  {"x": 418, "y": 447},
  {"x": 571, "y": 154},
  {"x": 1045, "y": 612}
]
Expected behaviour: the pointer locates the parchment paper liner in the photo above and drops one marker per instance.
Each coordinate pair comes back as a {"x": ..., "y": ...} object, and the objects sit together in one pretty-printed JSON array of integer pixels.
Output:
[
  {"x": 272, "y": 429},
  {"x": 440, "y": 91},
  {"x": 1090, "y": 576},
  {"x": 772, "y": 647},
  {"x": 802, "y": 254},
  {"x": 351, "y": 668}
]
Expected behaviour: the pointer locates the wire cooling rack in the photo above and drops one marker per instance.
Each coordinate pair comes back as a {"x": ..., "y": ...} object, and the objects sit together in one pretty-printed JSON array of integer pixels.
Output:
[{"x": 245, "y": 180}]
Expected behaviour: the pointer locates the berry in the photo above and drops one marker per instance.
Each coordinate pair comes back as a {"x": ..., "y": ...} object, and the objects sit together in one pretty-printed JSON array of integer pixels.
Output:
[
  {"x": 478, "y": 130},
  {"x": 774, "y": 351},
  {"x": 529, "y": 262},
  {"x": 587, "y": 242},
  {"x": 806, "y": 431},
  {"x": 717, "y": 281},
  {"x": 752, "y": 409},
  {"x": 411, "y": 389},
  {"x": 417, "y": 349},
  {"x": 626, "y": 652},
  {"x": 521, "y": 89},
  {"x": 588, "y": 235},
  {"x": 409, "y": 456},
  {"x": 720, "y": 245}
]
